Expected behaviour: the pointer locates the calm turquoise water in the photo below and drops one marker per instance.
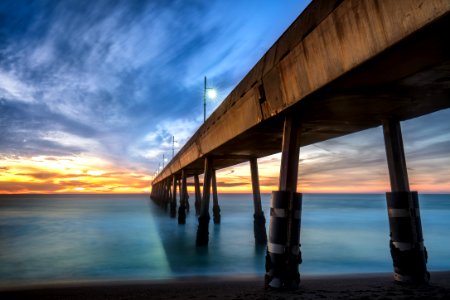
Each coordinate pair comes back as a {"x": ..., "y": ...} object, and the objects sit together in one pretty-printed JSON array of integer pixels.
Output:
[{"x": 76, "y": 238}]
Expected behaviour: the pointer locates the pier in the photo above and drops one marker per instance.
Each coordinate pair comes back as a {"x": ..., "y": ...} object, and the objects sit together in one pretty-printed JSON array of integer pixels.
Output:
[{"x": 343, "y": 66}]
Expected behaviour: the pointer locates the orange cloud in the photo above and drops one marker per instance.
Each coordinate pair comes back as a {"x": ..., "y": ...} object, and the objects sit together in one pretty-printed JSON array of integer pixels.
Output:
[
  {"x": 75, "y": 174},
  {"x": 318, "y": 173}
]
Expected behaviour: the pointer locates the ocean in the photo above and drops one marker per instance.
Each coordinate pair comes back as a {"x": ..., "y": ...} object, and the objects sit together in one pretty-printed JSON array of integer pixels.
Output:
[{"x": 77, "y": 238}]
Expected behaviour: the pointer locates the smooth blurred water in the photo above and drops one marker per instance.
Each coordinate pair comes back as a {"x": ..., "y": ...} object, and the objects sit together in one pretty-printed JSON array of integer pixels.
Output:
[{"x": 127, "y": 237}]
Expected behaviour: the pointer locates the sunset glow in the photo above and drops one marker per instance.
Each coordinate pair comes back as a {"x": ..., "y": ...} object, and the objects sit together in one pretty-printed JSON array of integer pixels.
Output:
[
  {"x": 76, "y": 174},
  {"x": 328, "y": 167}
]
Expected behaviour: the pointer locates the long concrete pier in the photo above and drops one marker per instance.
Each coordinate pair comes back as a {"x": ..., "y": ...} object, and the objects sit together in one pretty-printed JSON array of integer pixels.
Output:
[{"x": 343, "y": 66}]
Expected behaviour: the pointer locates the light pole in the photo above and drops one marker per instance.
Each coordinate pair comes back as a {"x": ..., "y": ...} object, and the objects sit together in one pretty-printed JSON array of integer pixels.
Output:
[
  {"x": 211, "y": 92},
  {"x": 173, "y": 146}
]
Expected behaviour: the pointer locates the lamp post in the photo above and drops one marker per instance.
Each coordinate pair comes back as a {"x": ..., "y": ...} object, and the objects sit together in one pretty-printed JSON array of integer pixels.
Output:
[
  {"x": 173, "y": 146},
  {"x": 211, "y": 93}
]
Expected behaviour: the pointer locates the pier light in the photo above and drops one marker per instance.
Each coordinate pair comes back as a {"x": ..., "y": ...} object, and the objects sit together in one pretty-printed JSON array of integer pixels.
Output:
[{"x": 209, "y": 92}]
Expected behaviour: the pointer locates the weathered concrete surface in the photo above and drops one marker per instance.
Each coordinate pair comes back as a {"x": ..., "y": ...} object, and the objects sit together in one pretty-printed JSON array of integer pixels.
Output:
[{"x": 341, "y": 67}]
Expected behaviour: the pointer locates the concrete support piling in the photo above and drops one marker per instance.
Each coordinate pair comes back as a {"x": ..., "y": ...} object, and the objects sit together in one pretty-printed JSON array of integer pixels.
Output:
[
  {"x": 183, "y": 199},
  {"x": 160, "y": 192},
  {"x": 186, "y": 199},
  {"x": 198, "y": 195},
  {"x": 168, "y": 184},
  {"x": 408, "y": 252},
  {"x": 203, "y": 219},
  {"x": 259, "y": 221},
  {"x": 216, "y": 207},
  {"x": 156, "y": 191},
  {"x": 283, "y": 249},
  {"x": 180, "y": 189},
  {"x": 173, "y": 202},
  {"x": 166, "y": 194}
]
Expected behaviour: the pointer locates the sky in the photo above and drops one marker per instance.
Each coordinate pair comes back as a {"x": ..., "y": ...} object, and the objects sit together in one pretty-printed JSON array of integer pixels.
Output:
[{"x": 91, "y": 93}]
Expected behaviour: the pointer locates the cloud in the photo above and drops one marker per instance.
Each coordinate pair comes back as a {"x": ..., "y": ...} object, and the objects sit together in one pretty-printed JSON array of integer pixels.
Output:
[
  {"x": 70, "y": 174},
  {"x": 231, "y": 184},
  {"x": 13, "y": 89},
  {"x": 160, "y": 141},
  {"x": 27, "y": 187},
  {"x": 68, "y": 140}
]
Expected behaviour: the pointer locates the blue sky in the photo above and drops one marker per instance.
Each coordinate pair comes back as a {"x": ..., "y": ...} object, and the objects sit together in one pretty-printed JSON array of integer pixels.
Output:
[{"x": 103, "y": 86}]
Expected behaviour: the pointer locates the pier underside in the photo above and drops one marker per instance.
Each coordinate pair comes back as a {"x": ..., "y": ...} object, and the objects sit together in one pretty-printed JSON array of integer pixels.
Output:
[{"x": 408, "y": 80}]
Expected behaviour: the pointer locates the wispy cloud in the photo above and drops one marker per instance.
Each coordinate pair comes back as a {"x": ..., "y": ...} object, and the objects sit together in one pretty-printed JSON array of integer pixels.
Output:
[{"x": 13, "y": 89}]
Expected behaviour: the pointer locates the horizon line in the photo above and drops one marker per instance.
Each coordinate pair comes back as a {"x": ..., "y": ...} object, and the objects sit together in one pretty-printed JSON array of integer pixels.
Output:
[{"x": 225, "y": 193}]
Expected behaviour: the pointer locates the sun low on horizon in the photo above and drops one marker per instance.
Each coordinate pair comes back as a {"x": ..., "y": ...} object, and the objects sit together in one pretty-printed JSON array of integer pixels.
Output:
[{"x": 97, "y": 96}]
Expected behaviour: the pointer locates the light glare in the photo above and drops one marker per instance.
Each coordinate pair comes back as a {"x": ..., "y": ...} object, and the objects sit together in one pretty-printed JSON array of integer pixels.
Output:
[{"x": 212, "y": 93}]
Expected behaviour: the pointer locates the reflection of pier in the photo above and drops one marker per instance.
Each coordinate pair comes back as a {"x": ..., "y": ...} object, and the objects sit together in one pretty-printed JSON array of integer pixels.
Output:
[{"x": 343, "y": 66}]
